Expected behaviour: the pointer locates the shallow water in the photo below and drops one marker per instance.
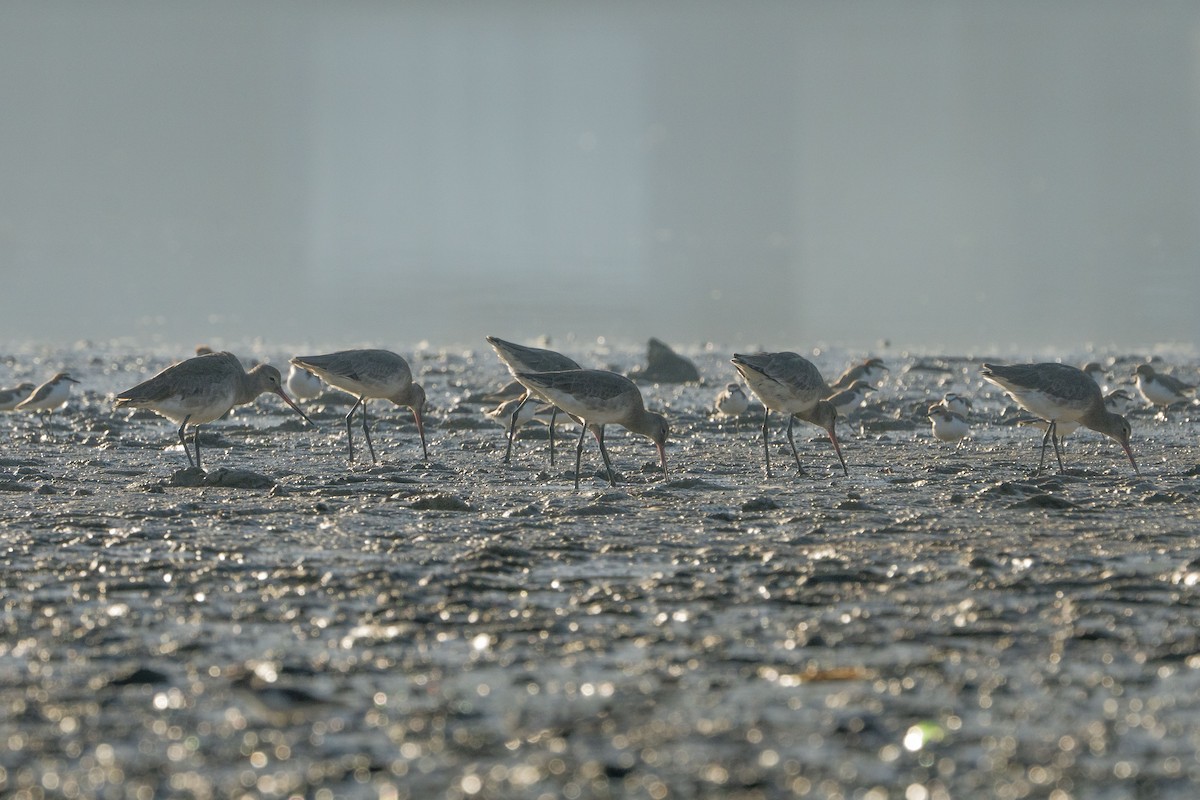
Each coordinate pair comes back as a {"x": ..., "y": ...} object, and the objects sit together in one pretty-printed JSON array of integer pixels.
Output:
[{"x": 938, "y": 624}]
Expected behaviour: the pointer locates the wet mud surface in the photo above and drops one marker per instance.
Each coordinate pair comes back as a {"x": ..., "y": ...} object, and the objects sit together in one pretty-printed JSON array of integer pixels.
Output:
[{"x": 941, "y": 623}]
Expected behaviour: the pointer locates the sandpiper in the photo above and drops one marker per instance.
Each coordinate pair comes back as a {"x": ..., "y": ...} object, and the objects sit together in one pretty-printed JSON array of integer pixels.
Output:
[
  {"x": 1095, "y": 371},
  {"x": 369, "y": 374},
  {"x": 203, "y": 389},
  {"x": 519, "y": 358},
  {"x": 731, "y": 401},
  {"x": 1059, "y": 393},
  {"x": 539, "y": 412},
  {"x": 1161, "y": 390},
  {"x": 869, "y": 370},
  {"x": 851, "y": 397},
  {"x": 10, "y": 398},
  {"x": 791, "y": 384},
  {"x": 1061, "y": 431},
  {"x": 1118, "y": 401},
  {"x": 947, "y": 425},
  {"x": 303, "y": 384},
  {"x": 598, "y": 397},
  {"x": 50, "y": 395},
  {"x": 957, "y": 403}
]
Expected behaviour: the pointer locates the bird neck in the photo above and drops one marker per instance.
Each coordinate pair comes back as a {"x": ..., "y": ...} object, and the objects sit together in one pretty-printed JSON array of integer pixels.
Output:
[
  {"x": 645, "y": 423},
  {"x": 251, "y": 385},
  {"x": 1099, "y": 418}
]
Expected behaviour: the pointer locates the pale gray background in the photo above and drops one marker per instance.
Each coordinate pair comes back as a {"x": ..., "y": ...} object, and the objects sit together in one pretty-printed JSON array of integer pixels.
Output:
[{"x": 940, "y": 174}]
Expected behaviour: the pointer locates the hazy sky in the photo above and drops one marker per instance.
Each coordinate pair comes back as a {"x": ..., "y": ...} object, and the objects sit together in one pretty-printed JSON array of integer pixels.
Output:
[{"x": 944, "y": 174}]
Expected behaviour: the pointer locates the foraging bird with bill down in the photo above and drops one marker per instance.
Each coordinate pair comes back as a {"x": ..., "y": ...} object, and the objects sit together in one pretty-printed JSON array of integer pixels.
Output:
[
  {"x": 598, "y": 398},
  {"x": 370, "y": 374},
  {"x": 791, "y": 384},
  {"x": 202, "y": 389},
  {"x": 522, "y": 358},
  {"x": 1060, "y": 393}
]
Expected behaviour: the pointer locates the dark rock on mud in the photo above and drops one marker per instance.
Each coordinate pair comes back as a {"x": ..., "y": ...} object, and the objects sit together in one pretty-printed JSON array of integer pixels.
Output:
[
  {"x": 717, "y": 634},
  {"x": 142, "y": 676},
  {"x": 439, "y": 501},
  {"x": 664, "y": 365}
]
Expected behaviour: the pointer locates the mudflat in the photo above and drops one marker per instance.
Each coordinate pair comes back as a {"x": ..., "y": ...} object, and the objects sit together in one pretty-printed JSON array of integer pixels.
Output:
[{"x": 940, "y": 624}]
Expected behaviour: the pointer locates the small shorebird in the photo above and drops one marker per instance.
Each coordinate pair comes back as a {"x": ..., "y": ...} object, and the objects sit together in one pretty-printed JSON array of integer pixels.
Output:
[
  {"x": 870, "y": 371},
  {"x": 513, "y": 390},
  {"x": 1058, "y": 393},
  {"x": 1161, "y": 390},
  {"x": 1118, "y": 401},
  {"x": 851, "y": 397},
  {"x": 732, "y": 401},
  {"x": 598, "y": 398},
  {"x": 10, "y": 398},
  {"x": 519, "y": 358},
  {"x": 50, "y": 395},
  {"x": 532, "y": 412},
  {"x": 948, "y": 425},
  {"x": 503, "y": 413},
  {"x": 792, "y": 385},
  {"x": 303, "y": 384},
  {"x": 202, "y": 389},
  {"x": 1061, "y": 431},
  {"x": 1094, "y": 371},
  {"x": 369, "y": 374},
  {"x": 957, "y": 403}
]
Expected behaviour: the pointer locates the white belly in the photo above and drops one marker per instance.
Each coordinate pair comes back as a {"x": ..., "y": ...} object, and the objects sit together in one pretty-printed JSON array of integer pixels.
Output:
[{"x": 1048, "y": 407}]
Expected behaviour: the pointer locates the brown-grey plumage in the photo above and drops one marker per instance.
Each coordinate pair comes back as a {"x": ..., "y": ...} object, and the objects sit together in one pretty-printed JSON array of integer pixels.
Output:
[
  {"x": 50, "y": 395},
  {"x": 598, "y": 397},
  {"x": 12, "y": 397},
  {"x": 791, "y": 384},
  {"x": 369, "y": 374},
  {"x": 851, "y": 397},
  {"x": 1160, "y": 389},
  {"x": 202, "y": 389},
  {"x": 520, "y": 358},
  {"x": 867, "y": 370},
  {"x": 1060, "y": 393}
]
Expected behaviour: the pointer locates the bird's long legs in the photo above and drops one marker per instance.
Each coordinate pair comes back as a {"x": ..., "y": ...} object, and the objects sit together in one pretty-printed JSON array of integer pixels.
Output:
[
  {"x": 186, "y": 450},
  {"x": 349, "y": 434},
  {"x": 512, "y": 431},
  {"x": 612, "y": 478},
  {"x": 766, "y": 446},
  {"x": 792, "y": 442},
  {"x": 579, "y": 454},
  {"x": 367, "y": 429},
  {"x": 1051, "y": 435}
]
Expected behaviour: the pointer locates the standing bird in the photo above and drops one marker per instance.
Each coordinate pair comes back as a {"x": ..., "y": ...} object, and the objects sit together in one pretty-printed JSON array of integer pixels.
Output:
[
  {"x": 1161, "y": 390},
  {"x": 1061, "y": 431},
  {"x": 1094, "y": 371},
  {"x": 50, "y": 395},
  {"x": 11, "y": 398},
  {"x": 598, "y": 397},
  {"x": 850, "y": 398},
  {"x": 202, "y": 389},
  {"x": 303, "y": 384},
  {"x": 870, "y": 370},
  {"x": 1060, "y": 393},
  {"x": 732, "y": 401},
  {"x": 957, "y": 403},
  {"x": 948, "y": 425},
  {"x": 790, "y": 384},
  {"x": 539, "y": 412},
  {"x": 1118, "y": 401},
  {"x": 369, "y": 374},
  {"x": 519, "y": 358}
]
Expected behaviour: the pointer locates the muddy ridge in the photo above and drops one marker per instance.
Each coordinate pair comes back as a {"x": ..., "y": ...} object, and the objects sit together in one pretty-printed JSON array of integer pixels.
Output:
[{"x": 941, "y": 623}]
